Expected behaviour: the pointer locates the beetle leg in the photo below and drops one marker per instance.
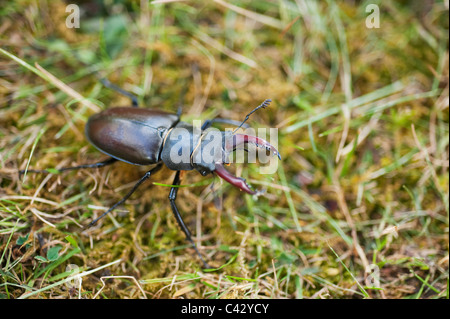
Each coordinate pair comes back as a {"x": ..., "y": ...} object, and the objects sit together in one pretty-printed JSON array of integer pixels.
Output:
[
  {"x": 109, "y": 85},
  {"x": 143, "y": 178},
  {"x": 176, "y": 213},
  {"x": 180, "y": 103},
  {"x": 63, "y": 169}
]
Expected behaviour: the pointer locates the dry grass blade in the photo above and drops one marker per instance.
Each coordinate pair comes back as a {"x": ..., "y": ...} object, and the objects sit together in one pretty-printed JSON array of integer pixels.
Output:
[
  {"x": 275, "y": 23},
  {"x": 103, "y": 278},
  {"x": 227, "y": 51},
  {"x": 67, "y": 89},
  {"x": 357, "y": 208}
]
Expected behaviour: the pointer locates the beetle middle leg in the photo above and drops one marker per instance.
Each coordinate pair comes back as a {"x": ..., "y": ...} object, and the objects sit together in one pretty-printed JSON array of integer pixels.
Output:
[
  {"x": 109, "y": 161},
  {"x": 176, "y": 213},
  {"x": 135, "y": 187}
]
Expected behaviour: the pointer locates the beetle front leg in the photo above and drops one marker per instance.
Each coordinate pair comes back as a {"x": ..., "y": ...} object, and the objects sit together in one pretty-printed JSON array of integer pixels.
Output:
[{"x": 176, "y": 213}]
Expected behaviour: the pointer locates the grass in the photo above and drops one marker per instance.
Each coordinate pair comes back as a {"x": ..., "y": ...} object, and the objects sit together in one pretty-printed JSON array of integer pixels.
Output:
[{"x": 358, "y": 207}]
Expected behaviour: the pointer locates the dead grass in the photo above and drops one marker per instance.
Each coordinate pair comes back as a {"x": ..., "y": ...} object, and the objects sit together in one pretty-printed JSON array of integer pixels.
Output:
[{"x": 358, "y": 207}]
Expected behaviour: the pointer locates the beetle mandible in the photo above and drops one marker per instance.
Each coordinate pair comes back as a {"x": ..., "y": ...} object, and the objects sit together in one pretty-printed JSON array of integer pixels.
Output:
[{"x": 142, "y": 136}]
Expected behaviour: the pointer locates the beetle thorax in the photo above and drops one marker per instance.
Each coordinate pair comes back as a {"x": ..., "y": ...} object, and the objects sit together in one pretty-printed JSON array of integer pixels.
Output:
[
  {"x": 188, "y": 148},
  {"x": 209, "y": 151}
]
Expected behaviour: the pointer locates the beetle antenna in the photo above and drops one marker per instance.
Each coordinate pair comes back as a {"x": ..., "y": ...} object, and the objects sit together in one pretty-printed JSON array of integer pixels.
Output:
[{"x": 263, "y": 105}]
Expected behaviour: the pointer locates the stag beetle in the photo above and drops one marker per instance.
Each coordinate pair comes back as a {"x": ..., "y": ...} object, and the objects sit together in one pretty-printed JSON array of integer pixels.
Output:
[{"x": 142, "y": 136}]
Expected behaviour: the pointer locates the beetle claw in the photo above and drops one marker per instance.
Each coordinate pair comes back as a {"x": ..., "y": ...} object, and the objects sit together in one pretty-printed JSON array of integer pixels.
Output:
[
  {"x": 231, "y": 143},
  {"x": 239, "y": 182}
]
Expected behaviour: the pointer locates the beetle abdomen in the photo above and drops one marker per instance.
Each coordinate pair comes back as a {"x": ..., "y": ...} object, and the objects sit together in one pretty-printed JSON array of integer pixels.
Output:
[{"x": 132, "y": 135}]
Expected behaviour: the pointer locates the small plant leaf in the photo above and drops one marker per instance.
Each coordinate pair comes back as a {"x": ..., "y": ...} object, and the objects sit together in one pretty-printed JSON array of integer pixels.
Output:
[
  {"x": 22, "y": 240},
  {"x": 53, "y": 253},
  {"x": 41, "y": 258}
]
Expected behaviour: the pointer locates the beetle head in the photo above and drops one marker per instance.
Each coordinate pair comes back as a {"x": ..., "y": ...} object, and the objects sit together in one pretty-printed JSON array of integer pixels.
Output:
[{"x": 213, "y": 151}]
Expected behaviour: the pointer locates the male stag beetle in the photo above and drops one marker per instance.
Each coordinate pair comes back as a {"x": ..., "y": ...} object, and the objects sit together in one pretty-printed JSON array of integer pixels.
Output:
[{"x": 149, "y": 136}]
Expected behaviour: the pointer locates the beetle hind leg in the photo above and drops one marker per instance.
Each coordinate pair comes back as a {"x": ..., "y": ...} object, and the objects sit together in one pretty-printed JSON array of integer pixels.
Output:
[
  {"x": 109, "y": 85},
  {"x": 176, "y": 213}
]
